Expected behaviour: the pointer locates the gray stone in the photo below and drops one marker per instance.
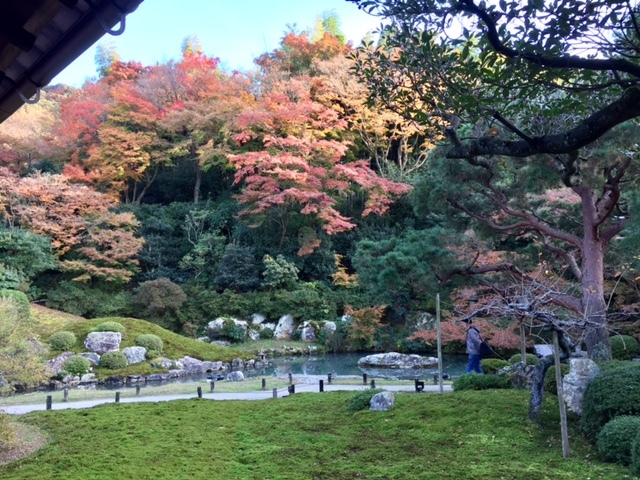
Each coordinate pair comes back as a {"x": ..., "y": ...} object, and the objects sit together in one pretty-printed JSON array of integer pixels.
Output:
[
  {"x": 257, "y": 319},
  {"x": 93, "y": 357},
  {"x": 395, "y": 360},
  {"x": 237, "y": 364},
  {"x": 543, "y": 350},
  {"x": 102, "y": 342},
  {"x": 162, "y": 362},
  {"x": 220, "y": 343},
  {"x": 4, "y": 385},
  {"x": 191, "y": 365},
  {"x": 284, "y": 329},
  {"x": 135, "y": 354},
  {"x": 250, "y": 363},
  {"x": 54, "y": 366},
  {"x": 88, "y": 378},
  {"x": 203, "y": 339},
  {"x": 271, "y": 326},
  {"x": 346, "y": 318},
  {"x": 158, "y": 377},
  {"x": 307, "y": 333},
  {"x": 253, "y": 334},
  {"x": 574, "y": 384},
  {"x": 382, "y": 401},
  {"x": 235, "y": 377},
  {"x": 519, "y": 374},
  {"x": 329, "y": 327},
  {"x": 212, "y": 366}
]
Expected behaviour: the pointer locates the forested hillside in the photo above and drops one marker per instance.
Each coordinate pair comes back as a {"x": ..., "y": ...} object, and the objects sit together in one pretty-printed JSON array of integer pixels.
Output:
[{"x": 317, "y": 185}]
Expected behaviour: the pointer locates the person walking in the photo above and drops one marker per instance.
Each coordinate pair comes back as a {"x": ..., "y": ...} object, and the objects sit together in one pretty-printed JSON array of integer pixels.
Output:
[{"x": 473, "y": 348}]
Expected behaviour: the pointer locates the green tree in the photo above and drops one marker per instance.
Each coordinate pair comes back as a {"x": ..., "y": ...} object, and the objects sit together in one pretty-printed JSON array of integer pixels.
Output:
[{"x": 540, "y": 94}]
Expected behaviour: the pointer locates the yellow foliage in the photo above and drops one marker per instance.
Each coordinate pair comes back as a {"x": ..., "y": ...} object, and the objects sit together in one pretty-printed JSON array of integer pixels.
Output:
[{"x": 341, "y": 278}]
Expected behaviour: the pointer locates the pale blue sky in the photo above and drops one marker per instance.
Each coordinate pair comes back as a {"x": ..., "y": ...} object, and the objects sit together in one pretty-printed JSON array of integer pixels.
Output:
[{"x": 236, "y": 31}]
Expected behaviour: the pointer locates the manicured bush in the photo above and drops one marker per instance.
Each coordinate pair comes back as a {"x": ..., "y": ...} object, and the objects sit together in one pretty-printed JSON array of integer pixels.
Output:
[
  {"x": 635, "y": 456},
  {"x": 151, "y": 354},
  {"x": 362, "y": 400},
  {"x": 549, "y": 384},
  {"x": 266, "y": 333},
  {"x": 531, "y": 359},
  {"x": 491, "y": 366},
  {"x": 613, "y": 393},
  {"x": 21, "y": 302},
  {"x": 113, "y": 360},
  {"x": 616, "y": 438},
  {"x": 150, "y": 342},
  {"x": 77, "y": 365},
  {"x": 159, "y": 301},
  {"x": 61, "y": 341},
  {"x": 110, "y": 327},
  {"x": 624, "y": 347},
  {"x": 472, "y": 381}
]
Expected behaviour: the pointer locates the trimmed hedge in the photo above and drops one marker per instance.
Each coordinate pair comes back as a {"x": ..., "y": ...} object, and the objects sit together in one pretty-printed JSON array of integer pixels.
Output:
[
  {"x": 61, "y": 341},
  {"x": 111, "y": 327},
  {"x": 613, "y": 393},
  {"x": 150, "y": 342},
  {"x": 491, "y": 366},
  {"x": 472, "y": 381},
  {"x": 616, "y": 438},
  {"x": 624, "y": 347},
  {"x": 531, "y": 359},
  {"x": 77, "y": 365},
  {"x": 113, "y": 361}
]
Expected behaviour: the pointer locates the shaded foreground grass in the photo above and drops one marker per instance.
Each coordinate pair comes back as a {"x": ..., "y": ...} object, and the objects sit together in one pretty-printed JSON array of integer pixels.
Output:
[{"x": 463, "y": 435}]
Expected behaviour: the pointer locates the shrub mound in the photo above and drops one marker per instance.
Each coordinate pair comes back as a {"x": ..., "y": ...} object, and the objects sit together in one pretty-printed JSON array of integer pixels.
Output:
[
  {"x": 362, "y": 400},
  {"x": 624, "y": 347},
  {"x": 151, "y": 354},
  {"x": 472, "y": 381},
  {"x": 613, "y": 393},
  {"x": 150, "y": 342},
  {"x": 616, "y": 438},
  {"x": 62, "y": 341},
  {"x": 21, "y": 301},
  {"x": 77, "y": 365},
  {"x": 635, "y": 456},
  {"x": 491, "y": 366},
  {"x": 111, "y": 327},
  {"x": 113, "y": 361},
  {"x": 531, "y": 359},
  {"x": 549, "y": 384}
]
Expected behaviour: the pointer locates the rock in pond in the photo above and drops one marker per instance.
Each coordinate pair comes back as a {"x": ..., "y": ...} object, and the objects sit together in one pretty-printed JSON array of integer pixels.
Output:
[{"x": 397, "y": 360}]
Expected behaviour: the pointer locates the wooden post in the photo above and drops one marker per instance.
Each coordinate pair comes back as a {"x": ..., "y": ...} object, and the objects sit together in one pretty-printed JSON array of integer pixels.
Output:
[
  {"x": 290, "y": 379},
  {"x": 275, "y": 393},
  {"x": 329, "y": 378},
  {"x": 213, "y": 385},
  {"x": 49, "y": 402},
  {"x": 137, "y": 390},
  {"x": 66, "y": 394},
  {"x": 364, "y": 378},
  {"x": 439, "y": 327},
  {"x": 373, "y": 384},
  {"x": 563, "y": 409},
  {"x": 264, "y": 383},
  {"x": 199, "y": 392},
  {"x": 523, "y": 343},
  {"x": 322, "y": 385},
  {"x": 117, "y": 397}
]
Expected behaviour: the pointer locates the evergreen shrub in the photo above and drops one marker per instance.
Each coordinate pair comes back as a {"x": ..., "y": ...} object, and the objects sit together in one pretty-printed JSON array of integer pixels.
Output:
[
  {"x": 612, "y": 393},
  {"x": 531, "y": 359},
  {"x": 61, "y": 341},
  {"x": 549, "y": 385},
  {"x": 77, "y": 366},
  {"x": 113, "y": 361},
  {"x": 624, "y": 347},
  {"x": 111, "y": 327},
  {"x": 266, "y": 333},
  {"x": 151, "y": 354},
  {"x": 616, "y": 438},
  {"x": 635, "y": 456},
  {"x": 150, "y": 342},
  {"x": 362, "y": 400},
  {"x": 21, "y": 302},
  {"x": 491, "y": 366},
  {"x": 472, "y": 381}
]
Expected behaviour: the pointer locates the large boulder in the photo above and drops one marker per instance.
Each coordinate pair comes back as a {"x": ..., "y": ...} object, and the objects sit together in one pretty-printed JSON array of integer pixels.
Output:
[
  {"x": 329, "y": 327},
  {"x": 382, "y": 401},
  {"x": 519, "y": 374},
  {"x": 135, "y": 354},
  {"x": 257, "y": 319},
  {"x": 235, "y": 377},
  {"x": 284, "y": 329},
  {"x": 93, "y": 357},
  {"x": 103, "y": 342},
  {"x": 237, "y": 364},
  {"x": 191, "y": 365},
  {"x": 54, "y": 366},
  {"x": 397, "y": 360},
  {"x": 253, "y": 334},
  {"x": 163, "y": 362},
  {"x": 307, "y": 333},
  {"x": 574, "y": 384}
]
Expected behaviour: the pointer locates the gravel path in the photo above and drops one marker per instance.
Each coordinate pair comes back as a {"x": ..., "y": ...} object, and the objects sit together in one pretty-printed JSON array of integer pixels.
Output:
[{"x": 258, "y": 395}]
